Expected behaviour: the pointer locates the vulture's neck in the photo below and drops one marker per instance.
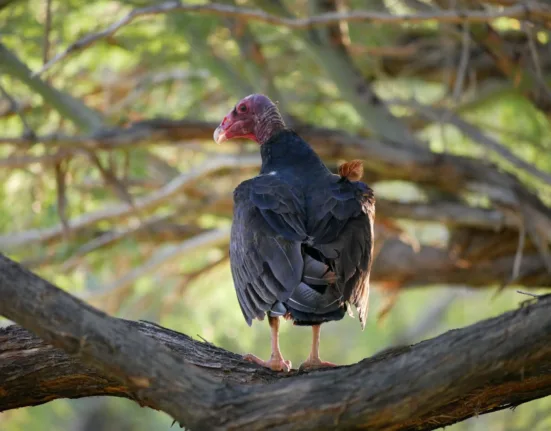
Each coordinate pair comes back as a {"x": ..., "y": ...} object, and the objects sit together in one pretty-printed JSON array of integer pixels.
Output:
[
  {"x": 268, "y": 124},
  {"x": 285, "y": 151}
]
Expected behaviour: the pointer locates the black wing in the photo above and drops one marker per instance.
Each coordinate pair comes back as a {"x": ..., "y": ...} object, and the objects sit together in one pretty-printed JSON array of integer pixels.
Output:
[
  {"x": 265, "y": 248},
  {"x": 342, "y": 228}
]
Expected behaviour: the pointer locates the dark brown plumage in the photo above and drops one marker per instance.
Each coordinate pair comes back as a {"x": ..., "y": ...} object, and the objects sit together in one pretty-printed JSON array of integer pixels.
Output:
[{"x": 302, "y": 237}]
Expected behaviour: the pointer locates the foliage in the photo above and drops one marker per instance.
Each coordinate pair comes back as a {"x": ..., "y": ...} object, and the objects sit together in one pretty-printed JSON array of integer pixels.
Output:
[{"x": 195, "y": 66}]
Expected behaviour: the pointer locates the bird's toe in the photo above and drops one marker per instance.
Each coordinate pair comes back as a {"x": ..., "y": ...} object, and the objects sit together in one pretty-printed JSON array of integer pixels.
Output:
[
  {"x": 274, "y": 363},
  {"x": 315, "y": 364}
]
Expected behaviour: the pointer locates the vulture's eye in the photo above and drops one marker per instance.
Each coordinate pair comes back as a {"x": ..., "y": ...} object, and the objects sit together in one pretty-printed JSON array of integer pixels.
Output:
[{"x": 242, "y": 108}]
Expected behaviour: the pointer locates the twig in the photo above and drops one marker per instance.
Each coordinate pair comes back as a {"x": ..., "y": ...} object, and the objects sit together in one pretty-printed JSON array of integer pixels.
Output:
[
  {"x": 534, "y": 11},
  {"x": 205, "y": 340},
  {"x": 47, "y": 28},
  {"x": 463, "y": 63},
  {"x": 534, "y": 298},
  {"x": 28, "y": 133},
  {"x": 520, "y": 249},
  {"x": 60, "y": 169},
  {"x": 533, "y": 295},
  {"x": 536, "y": 59},
  {"x": 517, "y": 262}
]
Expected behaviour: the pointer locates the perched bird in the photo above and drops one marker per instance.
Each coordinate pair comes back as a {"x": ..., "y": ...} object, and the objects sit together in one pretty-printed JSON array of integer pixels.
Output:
[{"x": 302, "y": 237}]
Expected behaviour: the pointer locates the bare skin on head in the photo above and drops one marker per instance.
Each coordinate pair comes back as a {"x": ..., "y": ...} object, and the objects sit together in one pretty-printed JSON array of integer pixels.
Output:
[{"x": 255, "y": 117}]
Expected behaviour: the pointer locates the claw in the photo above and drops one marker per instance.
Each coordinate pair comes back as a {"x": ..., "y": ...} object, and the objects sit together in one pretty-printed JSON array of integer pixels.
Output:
[{"x": 274, "y": 363}]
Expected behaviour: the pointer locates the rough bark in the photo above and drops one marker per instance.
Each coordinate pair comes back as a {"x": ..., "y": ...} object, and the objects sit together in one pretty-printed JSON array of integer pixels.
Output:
[
  {"x": 34, "y": 372},
  {"x": 494, "y": 364}
]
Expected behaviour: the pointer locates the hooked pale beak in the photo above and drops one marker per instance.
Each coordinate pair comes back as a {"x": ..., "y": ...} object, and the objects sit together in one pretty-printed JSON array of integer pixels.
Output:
[{"x": 220, "y": 135}]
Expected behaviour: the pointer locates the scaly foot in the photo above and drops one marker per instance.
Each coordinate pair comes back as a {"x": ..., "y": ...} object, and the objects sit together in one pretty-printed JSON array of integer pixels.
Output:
[
  {"x": 315, "y": 364},
  {"x": 274, "y": 363}
]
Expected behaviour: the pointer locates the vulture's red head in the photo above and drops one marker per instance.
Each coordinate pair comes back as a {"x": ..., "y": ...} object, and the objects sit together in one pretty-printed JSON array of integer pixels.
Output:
[{"x": 255, "y": 117}]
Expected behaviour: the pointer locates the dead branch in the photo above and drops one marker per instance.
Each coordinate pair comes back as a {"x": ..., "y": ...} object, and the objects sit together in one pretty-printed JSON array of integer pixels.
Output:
[{"x": 495, "y": 364}]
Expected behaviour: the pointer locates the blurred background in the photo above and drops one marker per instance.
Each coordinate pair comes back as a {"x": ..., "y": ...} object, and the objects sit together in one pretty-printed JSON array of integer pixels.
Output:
[{"x": 113, "y": 189}]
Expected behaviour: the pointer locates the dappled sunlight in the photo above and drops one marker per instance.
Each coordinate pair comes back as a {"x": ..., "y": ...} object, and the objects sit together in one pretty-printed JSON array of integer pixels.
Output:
[{"x": 113, "y": 189}]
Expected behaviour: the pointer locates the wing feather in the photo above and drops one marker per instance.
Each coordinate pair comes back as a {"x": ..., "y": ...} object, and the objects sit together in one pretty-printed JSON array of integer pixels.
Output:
[
  {"x": 343, "y": 233},
  {"x": 265, "y": 249}
]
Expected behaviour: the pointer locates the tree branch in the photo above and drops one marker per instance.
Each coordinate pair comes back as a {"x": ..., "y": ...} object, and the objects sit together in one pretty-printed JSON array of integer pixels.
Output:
[
  {"x": 534, "y": 11},
  {"x": 338, "y": 65},
  {"x": 85, "y": 118},
  {"x": 197, "y": 35},
  {"x": 495, "y": 364},
  {"x": 383, "y": 161},
  {"x": 399, "y": 265},
  {"x": 121, "y": 210},
  {"x": 476, "y": 134}
]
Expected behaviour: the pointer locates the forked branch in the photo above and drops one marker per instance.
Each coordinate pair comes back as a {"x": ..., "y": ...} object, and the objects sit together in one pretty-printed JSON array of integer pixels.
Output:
[{"x": 494, "y": 364}]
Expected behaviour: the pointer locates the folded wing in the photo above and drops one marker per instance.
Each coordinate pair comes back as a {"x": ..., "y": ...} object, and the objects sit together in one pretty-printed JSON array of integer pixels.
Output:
[{"x": 265, "y": 250}]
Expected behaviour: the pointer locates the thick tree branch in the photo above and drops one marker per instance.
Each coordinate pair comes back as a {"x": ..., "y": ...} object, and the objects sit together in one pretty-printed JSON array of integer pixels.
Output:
[
  {"x": 399, "y": 265},
  {"x": 494, "y": 364},
  {"x": 58, "y": 375}
]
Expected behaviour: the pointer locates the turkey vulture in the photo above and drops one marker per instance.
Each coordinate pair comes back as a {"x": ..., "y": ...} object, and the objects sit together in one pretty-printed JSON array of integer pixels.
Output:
[{"x": 302, "y": 237}]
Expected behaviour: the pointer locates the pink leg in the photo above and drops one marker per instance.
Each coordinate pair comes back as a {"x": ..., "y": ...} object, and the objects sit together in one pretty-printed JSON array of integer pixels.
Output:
[
  {"x": 276, "y": 361},
  {"x": 314, "y": 362}
]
